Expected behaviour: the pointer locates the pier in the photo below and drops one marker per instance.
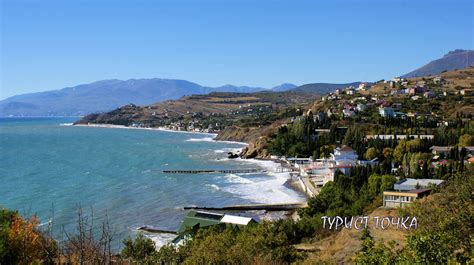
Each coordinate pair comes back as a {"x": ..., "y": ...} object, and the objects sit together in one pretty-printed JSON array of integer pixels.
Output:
[
  {"x": 249, "y": 207},
  {"x": 152, "y": 229},
  {"x": 210, "y": 171}
]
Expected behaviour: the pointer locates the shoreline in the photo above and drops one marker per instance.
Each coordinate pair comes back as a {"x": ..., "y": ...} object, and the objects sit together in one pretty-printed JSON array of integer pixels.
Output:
[
  {"x": 271, "y": 165},
  {"x": 114, "y": 126}
]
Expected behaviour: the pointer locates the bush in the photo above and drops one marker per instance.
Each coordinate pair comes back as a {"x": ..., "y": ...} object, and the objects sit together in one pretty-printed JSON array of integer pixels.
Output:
[{"x": 139, "y": 248}]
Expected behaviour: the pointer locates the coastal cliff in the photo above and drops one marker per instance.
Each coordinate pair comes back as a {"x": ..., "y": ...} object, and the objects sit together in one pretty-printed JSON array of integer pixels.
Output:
[{"x": 256, "y": 137}]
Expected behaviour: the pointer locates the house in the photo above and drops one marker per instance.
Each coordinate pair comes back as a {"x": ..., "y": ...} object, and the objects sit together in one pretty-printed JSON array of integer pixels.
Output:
[
  {"x": 399, "y": 136},
  {"x": 350, "y": 91},
  {"x": 397, "y": 106},
  {"x": 398, "y": 92},
  {"x": 195, "y": 220},
  {"x": 321, "y": 171},
  {"x": 348, "y": 112},
  {"x": 386, "y": 112},
  {"x": 395, "y": 199},
  {"x": 361, "y": 107},
  {"x": 445, "y": 150},
  {"x": 408, "y": 190},
  {"x": 363, "y": 86},
  {"x": 467, "y": 92},
  {"x": 344, "y": 152},
  {"x": 416, "y": 90},
  {"x": 429, "y": 94},
  {"x": 437, "y": 80}
]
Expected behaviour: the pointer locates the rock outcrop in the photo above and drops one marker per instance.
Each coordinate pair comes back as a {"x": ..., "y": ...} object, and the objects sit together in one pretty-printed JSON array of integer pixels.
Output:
[{"x": 256, "y": 149}]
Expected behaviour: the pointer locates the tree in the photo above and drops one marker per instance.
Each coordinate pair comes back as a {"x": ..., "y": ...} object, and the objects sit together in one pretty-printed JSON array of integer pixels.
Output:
[
  {"x": 400, "y": 151},
  {"x": 387, "y": 182},
  {"x": 388, "y": 153},
  {"x": 466, "y": 140},
  {"x": 444, "y": 223},
  {"x": 371, "y": 153},
  {"x": 21, "y": 242},
  {"x": 139, "y": 248}
]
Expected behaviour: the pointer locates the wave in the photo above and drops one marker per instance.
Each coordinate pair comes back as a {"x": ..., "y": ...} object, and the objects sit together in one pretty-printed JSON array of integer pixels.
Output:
[
  {"x": 227, "y": 150},
  {"x": 66, "y": 124},
  {"x": 204, "y": 139},
  {"x": 213, "y": 186},
  {"x": 212, "y": 140},
  {"x": 160, "y": 239},
  {"x": 234, "y": 178},
  {"x": 270, "y": 189}
]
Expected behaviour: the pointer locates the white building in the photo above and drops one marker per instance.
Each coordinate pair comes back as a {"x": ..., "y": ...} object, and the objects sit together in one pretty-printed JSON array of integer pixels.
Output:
[
  {"x": 344, "y": 153},
  {"x": 321, "y": 171}
]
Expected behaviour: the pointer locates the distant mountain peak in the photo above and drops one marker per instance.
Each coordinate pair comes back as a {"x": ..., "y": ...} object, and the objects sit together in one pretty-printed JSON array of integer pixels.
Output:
[
  {"x": 456, "y": 59},
  {"x": 105, "y": 95},
  {"x": 457, "y": 51},
  {"x": 284, "y": 87}
]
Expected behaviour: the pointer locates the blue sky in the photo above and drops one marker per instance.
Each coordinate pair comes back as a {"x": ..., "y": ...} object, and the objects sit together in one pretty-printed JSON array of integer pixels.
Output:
[{"x": 53, "y": 44}]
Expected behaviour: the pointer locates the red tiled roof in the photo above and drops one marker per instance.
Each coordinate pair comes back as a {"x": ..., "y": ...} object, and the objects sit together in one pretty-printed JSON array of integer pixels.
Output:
[
  {"x": 345, "y": 148},
  {"x": 418, "y": 191}
]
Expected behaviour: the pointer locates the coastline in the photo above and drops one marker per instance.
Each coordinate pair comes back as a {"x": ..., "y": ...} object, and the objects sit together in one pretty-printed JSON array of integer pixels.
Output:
[
  {"x": 114, "y": 126},
  {"x": 272, "y": 165}
]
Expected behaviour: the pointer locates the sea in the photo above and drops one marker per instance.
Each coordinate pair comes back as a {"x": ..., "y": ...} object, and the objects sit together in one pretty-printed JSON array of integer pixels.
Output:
[{"x": 51, "y": 169}]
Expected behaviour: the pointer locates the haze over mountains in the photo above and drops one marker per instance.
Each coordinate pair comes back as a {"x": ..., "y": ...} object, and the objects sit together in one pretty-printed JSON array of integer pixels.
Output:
[{"x": 106, "y": 95}]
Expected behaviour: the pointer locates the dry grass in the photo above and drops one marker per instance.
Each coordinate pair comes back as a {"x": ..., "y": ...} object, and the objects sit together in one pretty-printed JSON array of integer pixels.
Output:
[
  {"x": 230, "y": 99},
  {"x": 341, "y": 246}
]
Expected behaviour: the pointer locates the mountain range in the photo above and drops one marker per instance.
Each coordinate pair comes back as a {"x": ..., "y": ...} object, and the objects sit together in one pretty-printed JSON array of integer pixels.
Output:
[
  {"x": 106, "y": 95},
  {"x": 457, "y": 59}
]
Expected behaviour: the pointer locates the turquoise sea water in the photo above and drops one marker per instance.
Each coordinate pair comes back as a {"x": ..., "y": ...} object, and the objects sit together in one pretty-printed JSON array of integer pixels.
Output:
[{"x": 51, "y": 170}]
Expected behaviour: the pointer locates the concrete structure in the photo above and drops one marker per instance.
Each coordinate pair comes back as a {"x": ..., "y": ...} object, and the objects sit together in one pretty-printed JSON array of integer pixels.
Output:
[
  {"x": 386, "y": 112},
  {"x": 394, "y": 199},
  {"x": 399, "y": 136},
  {"x": 408, "y": 190},
  {"x": 298, "y": 162}
]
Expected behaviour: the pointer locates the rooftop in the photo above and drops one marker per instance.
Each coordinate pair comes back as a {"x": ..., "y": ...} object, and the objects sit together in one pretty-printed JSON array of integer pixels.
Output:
[
  {"x": 418, "y": 191},
  {"x": 233, "y": 219},
  {"x": 344, "y": 148},
  {"x": 420, "y": 182},
  {"x": 448, "y": 148}
]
